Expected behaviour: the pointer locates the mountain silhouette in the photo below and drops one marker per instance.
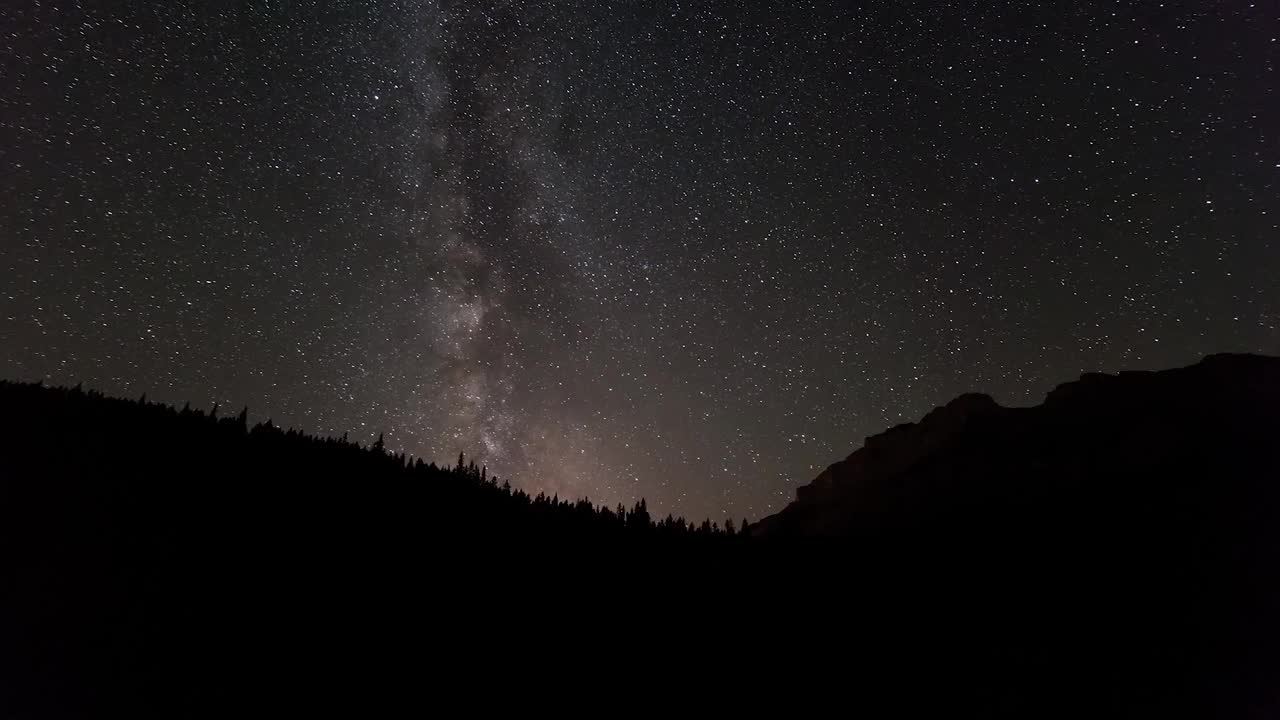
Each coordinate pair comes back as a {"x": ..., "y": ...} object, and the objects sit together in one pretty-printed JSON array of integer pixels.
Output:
[
  {"x": 1179, "y": 444},
  {"x": 1114, "y": 550}
]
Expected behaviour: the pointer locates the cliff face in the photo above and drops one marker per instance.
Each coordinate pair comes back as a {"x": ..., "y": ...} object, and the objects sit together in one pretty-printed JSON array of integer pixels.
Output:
[{"x": 1136, "y": 444}]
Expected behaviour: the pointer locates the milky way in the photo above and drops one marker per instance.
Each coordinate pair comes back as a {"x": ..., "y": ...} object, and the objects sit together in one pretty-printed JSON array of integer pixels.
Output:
[{"x": 686, "y": 252}]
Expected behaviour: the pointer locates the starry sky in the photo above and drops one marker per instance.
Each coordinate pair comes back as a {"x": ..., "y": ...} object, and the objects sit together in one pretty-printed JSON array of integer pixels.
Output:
[{"x": 686, "y": 251}]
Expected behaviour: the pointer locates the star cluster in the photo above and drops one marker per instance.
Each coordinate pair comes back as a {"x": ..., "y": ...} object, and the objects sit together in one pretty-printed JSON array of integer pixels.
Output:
[{"x": 691, "y": 252}]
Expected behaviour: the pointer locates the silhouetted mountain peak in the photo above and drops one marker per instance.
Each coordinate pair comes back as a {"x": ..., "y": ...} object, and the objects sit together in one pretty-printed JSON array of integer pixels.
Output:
[{"x": 1093, "y": 427}]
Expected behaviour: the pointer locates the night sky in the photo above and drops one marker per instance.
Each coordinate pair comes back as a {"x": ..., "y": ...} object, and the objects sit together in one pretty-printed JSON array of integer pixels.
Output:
[{"x": 687, "y": 251}]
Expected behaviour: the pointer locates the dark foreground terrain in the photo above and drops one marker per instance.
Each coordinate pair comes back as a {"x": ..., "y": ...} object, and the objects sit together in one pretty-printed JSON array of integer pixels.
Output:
[{"x": 1114, "y": 550}]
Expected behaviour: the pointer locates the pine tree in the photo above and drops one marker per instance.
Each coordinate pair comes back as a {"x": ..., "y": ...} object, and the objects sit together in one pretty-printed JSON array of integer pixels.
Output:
[{"x": 639, "y": 516}]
